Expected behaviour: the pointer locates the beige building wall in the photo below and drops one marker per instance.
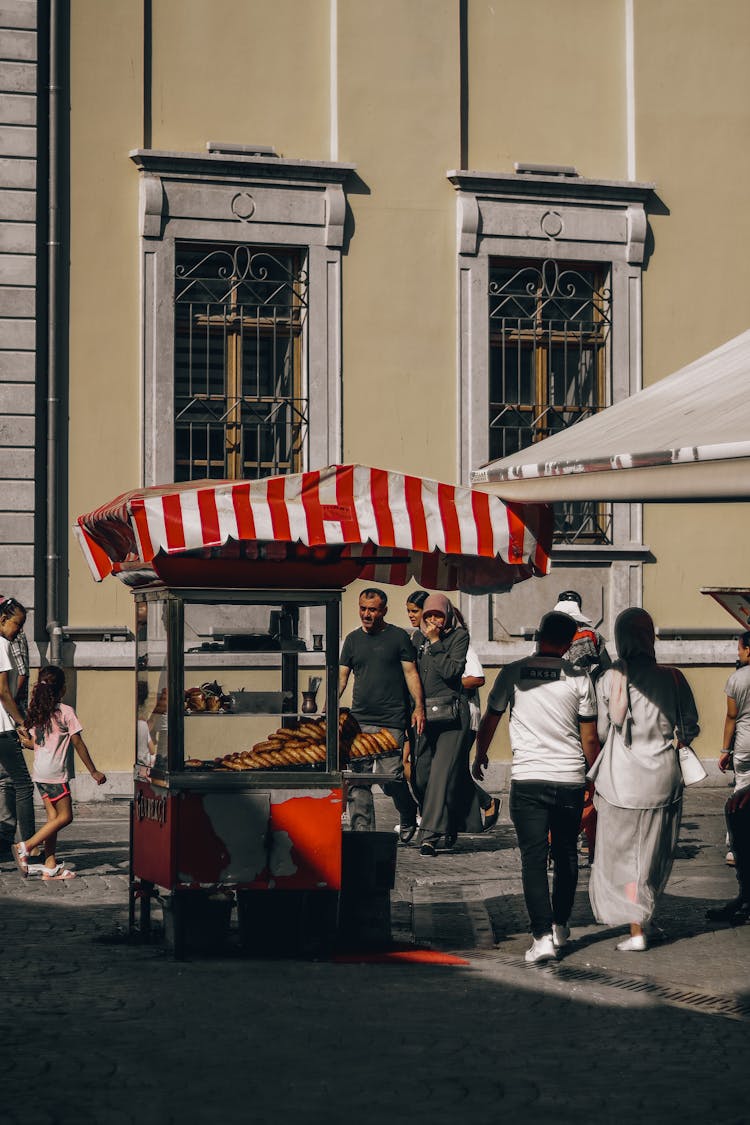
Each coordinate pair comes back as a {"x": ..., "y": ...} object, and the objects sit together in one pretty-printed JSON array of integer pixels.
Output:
[
  {"x": 546, "y": 83},
  {"x": 104, "y": 343},
  {"x": 105, "y": 704},
  {"x": 244, "y": 73},
  {"x": 692, "y": 89},
  {"x": 399, "y": 122}
]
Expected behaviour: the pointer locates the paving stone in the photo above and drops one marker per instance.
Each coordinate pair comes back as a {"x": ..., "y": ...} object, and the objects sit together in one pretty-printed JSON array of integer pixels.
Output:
[{"x": 140, "y": 1038}]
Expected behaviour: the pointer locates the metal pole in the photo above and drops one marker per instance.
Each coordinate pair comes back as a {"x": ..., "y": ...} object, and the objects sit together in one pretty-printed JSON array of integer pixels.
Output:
[{"x": 53, "y": 401}]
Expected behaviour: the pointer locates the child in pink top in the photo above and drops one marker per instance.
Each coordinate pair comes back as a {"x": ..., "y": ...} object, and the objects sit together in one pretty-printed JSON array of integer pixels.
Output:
[{"x": 53, "y": 728}]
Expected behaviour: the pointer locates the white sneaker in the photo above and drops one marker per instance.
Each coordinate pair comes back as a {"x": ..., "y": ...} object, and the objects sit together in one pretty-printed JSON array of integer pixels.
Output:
[
  {"x": 635, "y": 944},
  {"x": 560, "y": 935},
  {"x": 542, "y": 949},
  {"x": 730, "y": 859}
]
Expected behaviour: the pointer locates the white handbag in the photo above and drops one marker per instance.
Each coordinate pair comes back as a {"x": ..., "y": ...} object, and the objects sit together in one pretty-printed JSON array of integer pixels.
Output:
[{"x": 690, "y": 765}]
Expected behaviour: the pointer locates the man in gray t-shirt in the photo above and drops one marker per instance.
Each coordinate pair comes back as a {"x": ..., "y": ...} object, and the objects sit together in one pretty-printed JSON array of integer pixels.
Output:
[
  {"x": 735, "y": 755},
  {"x": 736, "y": 744},
  {"x": 383, "y": 661}
]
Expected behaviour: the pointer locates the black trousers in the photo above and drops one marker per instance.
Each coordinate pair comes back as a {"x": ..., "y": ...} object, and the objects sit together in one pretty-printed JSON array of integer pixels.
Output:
[
  {"x": 546, "y": 817},
  {"x": 738, "y": 825}
]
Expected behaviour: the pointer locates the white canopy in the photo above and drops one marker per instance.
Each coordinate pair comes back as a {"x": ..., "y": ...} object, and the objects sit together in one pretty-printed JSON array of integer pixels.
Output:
[{"x": 685, "y": 438}]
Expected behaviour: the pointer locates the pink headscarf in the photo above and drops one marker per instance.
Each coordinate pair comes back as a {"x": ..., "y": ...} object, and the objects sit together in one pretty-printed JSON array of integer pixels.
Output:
[{"x": 439, "y": 604}]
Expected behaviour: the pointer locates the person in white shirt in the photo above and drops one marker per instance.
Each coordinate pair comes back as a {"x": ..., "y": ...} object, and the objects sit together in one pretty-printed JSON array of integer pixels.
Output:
[
  {"x": 17, "y": 797},
  {"x": 735, "y": 755},
  {"x": 553, "y": 739}
]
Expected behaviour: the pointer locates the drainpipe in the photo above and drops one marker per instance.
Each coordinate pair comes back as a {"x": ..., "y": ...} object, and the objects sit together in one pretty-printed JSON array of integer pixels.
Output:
[{"x": 52, "y": 559}]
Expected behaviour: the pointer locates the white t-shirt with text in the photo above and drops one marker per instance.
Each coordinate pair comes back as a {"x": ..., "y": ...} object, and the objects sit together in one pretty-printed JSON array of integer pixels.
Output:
[{"x": 547, "y": 698}]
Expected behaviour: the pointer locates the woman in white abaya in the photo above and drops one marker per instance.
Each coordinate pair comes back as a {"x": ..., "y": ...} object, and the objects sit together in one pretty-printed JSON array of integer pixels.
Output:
[{"x": 643, "y": 708}]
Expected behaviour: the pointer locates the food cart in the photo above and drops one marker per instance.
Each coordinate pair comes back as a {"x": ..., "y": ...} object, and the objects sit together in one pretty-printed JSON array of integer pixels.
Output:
[{"x": 239, "y": 777}]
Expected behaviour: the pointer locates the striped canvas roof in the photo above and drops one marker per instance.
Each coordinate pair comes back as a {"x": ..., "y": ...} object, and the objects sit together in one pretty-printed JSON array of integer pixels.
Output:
[{"x": 386, "y": 526}]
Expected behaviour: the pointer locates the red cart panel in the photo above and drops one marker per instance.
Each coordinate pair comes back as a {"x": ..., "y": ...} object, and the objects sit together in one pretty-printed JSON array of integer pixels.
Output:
[{"x": 261, "y": 839}]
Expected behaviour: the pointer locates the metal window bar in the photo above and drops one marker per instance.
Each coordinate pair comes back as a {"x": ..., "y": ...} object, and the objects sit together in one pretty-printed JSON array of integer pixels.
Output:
[
  {"x": 241, "y": 406},
  {"x": 549, "y": 333}
]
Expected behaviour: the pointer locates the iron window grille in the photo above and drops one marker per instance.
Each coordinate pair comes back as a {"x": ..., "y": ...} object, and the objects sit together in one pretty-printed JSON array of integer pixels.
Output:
[
  {"x": 550, "y": 356},
  {"x": 241, "y": 406}
]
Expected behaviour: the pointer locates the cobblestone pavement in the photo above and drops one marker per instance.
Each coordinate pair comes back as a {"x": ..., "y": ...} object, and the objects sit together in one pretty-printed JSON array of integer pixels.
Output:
[{"x": 101, "y": 1031}]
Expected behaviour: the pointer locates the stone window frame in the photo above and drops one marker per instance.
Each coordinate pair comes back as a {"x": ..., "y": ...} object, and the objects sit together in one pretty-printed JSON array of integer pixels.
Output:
[
  {"x": 233, "y": 197},
  {"x": 567, "y": 218}
]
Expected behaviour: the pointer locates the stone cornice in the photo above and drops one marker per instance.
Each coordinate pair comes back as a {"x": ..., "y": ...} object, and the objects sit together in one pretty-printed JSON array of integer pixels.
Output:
[
  {"x": 271, "y": 197},
  {"x": 567, "y": 210},
  {"x": 208, "y": 165},
  {"x": 564, "y": 188}
]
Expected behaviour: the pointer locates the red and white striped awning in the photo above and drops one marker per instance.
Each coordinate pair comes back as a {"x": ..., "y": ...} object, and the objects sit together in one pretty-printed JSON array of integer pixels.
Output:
[{"x": 319, "y": 529}]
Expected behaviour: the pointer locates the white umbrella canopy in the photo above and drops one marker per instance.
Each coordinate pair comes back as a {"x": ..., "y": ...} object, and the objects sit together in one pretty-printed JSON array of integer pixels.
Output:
[{"x": 687, "y": 437}]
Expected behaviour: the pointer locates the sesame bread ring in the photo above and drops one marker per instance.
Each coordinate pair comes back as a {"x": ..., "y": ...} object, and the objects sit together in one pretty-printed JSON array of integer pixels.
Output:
[
  {"x": 360, "y": 742},
  {"x": 373, "y": 743},
  {"x": 386, "y": 739},
  {"x": 358, "y": 745},
  {"x": 309, "y": 730}
]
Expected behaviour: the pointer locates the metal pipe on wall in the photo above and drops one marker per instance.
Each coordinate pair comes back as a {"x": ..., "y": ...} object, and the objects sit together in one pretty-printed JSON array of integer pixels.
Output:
[{"x": 52, "y": 557}]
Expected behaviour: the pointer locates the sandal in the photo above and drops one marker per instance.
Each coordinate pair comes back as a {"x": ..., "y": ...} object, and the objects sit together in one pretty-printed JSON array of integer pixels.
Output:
[
  {"x": 59, "y": 872},
  {"x": 21, "y": 856}
]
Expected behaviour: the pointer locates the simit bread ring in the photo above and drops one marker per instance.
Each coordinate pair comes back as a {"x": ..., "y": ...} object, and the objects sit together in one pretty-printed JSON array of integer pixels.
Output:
[{"x": 386, "y": 740}]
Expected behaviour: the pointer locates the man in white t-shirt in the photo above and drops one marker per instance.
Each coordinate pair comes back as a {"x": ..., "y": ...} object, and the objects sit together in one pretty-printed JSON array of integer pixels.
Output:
[
  {"x": 736, "y": 755},
  {"x": 553, "y": 739}
]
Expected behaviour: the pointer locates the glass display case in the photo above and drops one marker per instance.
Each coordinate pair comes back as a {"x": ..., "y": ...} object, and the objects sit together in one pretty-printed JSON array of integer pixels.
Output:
[{"x": 235, "y": 683}]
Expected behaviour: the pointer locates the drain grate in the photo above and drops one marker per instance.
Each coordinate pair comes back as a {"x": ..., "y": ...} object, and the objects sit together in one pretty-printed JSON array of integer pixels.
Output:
[{"x": 684, "y": 998}]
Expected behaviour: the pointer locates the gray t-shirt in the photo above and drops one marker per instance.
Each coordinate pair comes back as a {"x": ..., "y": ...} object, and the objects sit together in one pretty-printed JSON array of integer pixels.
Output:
[
  {"x": 738, "y": 688},
  {"x": 380, "y": 693}
]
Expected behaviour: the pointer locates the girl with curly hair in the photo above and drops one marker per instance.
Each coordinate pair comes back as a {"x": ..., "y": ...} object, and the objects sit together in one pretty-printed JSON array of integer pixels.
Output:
[{"x": 53, "y": 729}]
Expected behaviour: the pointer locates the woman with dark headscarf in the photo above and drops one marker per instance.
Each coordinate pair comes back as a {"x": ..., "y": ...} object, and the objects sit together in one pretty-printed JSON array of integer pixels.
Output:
[
  {"x": 642, "y": 708},
  {"x": 441, "y": 749}
]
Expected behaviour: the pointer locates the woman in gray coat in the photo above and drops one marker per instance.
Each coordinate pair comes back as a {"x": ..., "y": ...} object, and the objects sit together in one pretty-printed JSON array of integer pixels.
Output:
[
  {"x": 441, "y": 749},
  {"x": 642, "y": 707}
]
